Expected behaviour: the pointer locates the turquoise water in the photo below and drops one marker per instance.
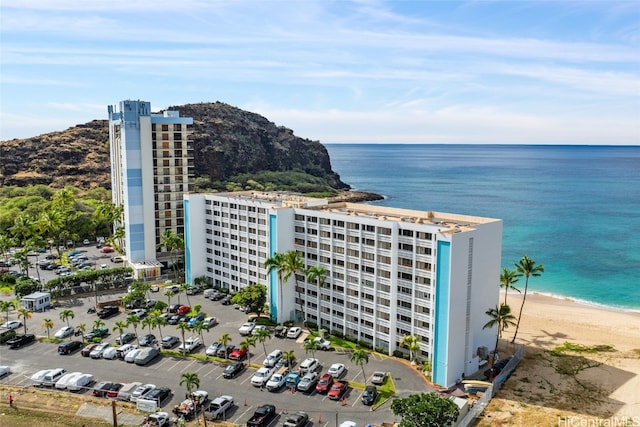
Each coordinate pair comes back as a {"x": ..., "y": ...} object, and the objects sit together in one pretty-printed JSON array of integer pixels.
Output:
[{"x": 575, "y": 209}]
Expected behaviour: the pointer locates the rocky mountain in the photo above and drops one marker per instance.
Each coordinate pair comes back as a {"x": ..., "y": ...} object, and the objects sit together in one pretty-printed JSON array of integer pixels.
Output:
[{"x": 227, "y": 141}]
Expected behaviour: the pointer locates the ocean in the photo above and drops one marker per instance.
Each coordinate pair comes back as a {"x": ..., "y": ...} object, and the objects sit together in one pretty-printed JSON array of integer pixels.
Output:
[{"x": 574, "y": 209}]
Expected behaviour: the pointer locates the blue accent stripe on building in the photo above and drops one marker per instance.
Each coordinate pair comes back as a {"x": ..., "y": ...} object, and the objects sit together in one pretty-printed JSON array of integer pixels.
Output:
[
  {"x": 273, "y": 278},
  {"x": 187, "y": 243},
  {"x": 441, "y": 333}
]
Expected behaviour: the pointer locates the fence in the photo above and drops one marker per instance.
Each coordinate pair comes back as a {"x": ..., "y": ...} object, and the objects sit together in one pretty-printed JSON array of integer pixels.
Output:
[{"x": 480, "y": 404}]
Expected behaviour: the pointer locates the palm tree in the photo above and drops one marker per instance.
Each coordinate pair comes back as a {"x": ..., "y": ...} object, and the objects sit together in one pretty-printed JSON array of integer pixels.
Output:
[
  {"x": 224, "y": 339},
  {"x": 190, "y": 380},
  {"x": 168, "y": 293},
  {"x": 200, "y": 326},
  {"x": 183, "y": 288},
  {"x": 526, "y": 267},
  {"x": 48, "y": 324},
  {"x": 82, "y": 328},
  {"x": 134, "y": 321},
  {"x": 317, "y": 274},
  {"x": 247, "y": 343},
  {"x": 310, "y": 346},
  {"x": 293, "y": 263},
  {"x": 508, "y": 278},
  {"x": 120, "y": 326},
  {"x": 159, "y": 321},
  {"x": 172, "y": 243},
  {"x": 412, "y": 344},
  {"x": 67, "y": 314},
  {"x": 290, "y": 356},
  {"x": 183, "y": 327},
  {"x": 276, "y": 263},
  {"x": 147, "y": 322},
  {"x": 49, "y": 223},
  {"x": 97, "y": 324},
  {"x": 502, "y": 318},
  {"x": 24, "y": 314},
  {"x": 261, "y": 336},
  {"x": 360, "y": 357},
  {"x": 6, "y": 306}
]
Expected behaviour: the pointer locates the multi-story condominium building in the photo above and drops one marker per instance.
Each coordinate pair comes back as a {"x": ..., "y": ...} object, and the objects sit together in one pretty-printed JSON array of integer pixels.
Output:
[
  {"x": 389, "y": 272},
  {"x": 151, "y": 163}
]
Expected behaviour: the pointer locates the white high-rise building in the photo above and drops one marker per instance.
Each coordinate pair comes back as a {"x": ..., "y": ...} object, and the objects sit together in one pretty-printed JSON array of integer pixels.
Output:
[
  {"x": 389, "y": 272},
  {"x": 151, "y": 163}
]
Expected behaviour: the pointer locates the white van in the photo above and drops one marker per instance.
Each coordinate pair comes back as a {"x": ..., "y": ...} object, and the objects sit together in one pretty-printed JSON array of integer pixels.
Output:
[
  {"x": 272, "y": 358},
  {"x": 53, "y": 376}
]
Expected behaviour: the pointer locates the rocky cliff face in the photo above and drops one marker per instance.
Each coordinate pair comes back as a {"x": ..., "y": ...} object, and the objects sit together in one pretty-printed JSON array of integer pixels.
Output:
[{"x": 227, "y": 141}]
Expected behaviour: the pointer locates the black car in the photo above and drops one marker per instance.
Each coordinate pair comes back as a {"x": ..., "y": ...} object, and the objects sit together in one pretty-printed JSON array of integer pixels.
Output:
[
  {"x": 233, "y": 369},
  {"x": 224, "y": 351},
  {"x": 226, "y": 300},
  {"x": 125, "y": 338},
  {"x": 177, "y": 318},
  {"x": 370, "y": 395},
  {"x": 173, "y": 308},
  {"x": 158, "y": 394},
  {"x": 263, "y": 416},
  {"x": 69, "y": 347},
  {"x": 147, "y": 340},
  {"x": 133, "y": 304},
  {"x": 20, "y": 340},
  {"x": 108, "y": 311}
]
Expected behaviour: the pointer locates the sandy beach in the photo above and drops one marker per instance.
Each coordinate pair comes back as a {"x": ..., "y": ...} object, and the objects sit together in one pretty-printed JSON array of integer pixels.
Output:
[{"x": 571, "y": 385}]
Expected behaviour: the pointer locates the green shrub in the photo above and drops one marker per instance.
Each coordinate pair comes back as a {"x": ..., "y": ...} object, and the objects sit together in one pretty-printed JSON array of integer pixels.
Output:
[
  {"x": 365, "y": 344},
  {"x": 336, "y": 333},
  {"x": 350, "y": 338}
]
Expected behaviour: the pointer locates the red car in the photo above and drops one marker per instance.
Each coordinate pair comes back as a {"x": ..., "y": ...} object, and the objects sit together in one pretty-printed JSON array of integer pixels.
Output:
[
  {"x": 325, "y": 383},
  {"x": 114, "y": 390},
  {"x": 183, "y": 309},
  {"x": 106, "y": 249},
  {"x": 338, "y": 389},
  {"x": 238, "y": 353}
]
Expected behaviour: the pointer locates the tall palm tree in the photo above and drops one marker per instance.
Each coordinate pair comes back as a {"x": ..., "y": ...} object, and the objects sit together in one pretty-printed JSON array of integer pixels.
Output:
[
  {"x": 412, "y": 344},
  {"x": 48, "y": 324},
  {"x": 317, "y": 274},
  {"x": 508, "y": 278},
  {"x": 82, "y": 327},
  {"x": 159, "y": 321},
  {"x": 98, "y": 323},
  {"x": 199, "y": 327},
  {"x": 526, "y": 267},
  {"x": 277, "y": 263},
  {"x": 168, "y": 293},
  {"x": 49, "y": 223},
  {"x": 224, "y": 340},
  {"x": 294, "y": 264},
  {"x": 24, "y": 314},
  {"x": 190, "y": 380},
  {"x": 502, "y": 318},
  {"x": 174, "y": 244},
  {"x": 147, "y": 322},
  {"x": 134, "y": 321},
  {"x": 23, "y": 228},
  {"x": 6, "y": 306},
  {"x": 290, "y": 356},
  {"x": 183, "y": 288},
  {"x": 66, "y": 314},
  {"x": 360, "y": 357},
  {"x": 183, "y": 327},
  {"x": 120, "y": 326},
  {"x": 261, "y": 336},
  {"x": 248, "y": 343},
  {"x": 310, "y": 346}
]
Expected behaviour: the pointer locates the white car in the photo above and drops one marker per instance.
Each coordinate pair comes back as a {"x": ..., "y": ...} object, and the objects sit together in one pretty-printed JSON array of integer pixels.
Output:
[
  {"x": 262, "y": 376},
  {"x": 336, "y": 370},
  {"x": 11, "y": 324},
  {"x": 294, "y": 332},
  {"x": 246, "y": 328},
  {"x": 38, "y": 378},
  {"x": 309, "y": 365},
  {"x": 276, "y": 382},
  {"x": 4, "y": 370},
  {"x": 123, "y": 350},
  {"x": 63, "y": 382},
  {"x": 78, "y": 382},
  {"x": 139, "y": 312},
  {"x": 64, "y": 332},
  {"x": 96, "y": 353},
  {"x": 131, "y": 356},
  {"x": 110, "y": 353},
  {"x": 140, "y": 391},
  {"x": 210, "y": 322}
]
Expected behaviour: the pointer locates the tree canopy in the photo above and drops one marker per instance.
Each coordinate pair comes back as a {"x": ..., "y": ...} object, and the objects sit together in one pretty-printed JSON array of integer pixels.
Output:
[
  {"x": 425, "y": 410},
  {"x": 253, "y": 296}
]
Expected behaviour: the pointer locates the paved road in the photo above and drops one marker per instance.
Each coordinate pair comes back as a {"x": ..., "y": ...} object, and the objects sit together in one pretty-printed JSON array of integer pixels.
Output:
[{"x": 167, "y": 371}]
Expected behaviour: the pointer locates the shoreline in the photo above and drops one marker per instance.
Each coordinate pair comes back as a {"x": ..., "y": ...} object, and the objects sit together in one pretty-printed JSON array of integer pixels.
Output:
[{"x": 564, "y": 299}]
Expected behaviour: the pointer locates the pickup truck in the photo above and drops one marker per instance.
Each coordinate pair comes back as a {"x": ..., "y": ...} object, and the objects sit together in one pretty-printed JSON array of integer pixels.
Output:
[
  {"x": 157, "y": 419},
  {"x": 218, "y": 408},
  {"x": 20, "y": 340},
  {"x": 189, "y": 345},
  {"x": 107, "y": 311},
  {"x": 97, "y": 333},
  {"x": 189, "y": 407},
  {"x": 263, "y": 416}
]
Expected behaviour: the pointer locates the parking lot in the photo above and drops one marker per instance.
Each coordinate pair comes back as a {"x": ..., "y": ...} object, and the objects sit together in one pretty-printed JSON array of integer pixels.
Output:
[{"x": 167, "y": 370}]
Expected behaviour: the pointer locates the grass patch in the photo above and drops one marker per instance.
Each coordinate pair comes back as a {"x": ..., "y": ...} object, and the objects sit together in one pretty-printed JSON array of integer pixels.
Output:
[{"x": 568, "y": 347}]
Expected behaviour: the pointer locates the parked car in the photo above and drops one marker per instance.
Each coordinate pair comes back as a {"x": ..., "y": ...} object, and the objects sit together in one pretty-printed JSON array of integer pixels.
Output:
[
  {"x": 309, "y": 365},
  {"x": 261, "y": 376},
  {"x": 336, "y": 370},
  {"x": 308, "y": 382},
  {"x": 123, "y": 350},
  {"x": 113, "y": 391},
  {"x": 20, "y": 340},
  {"x": 51, "y": 377},
  {"x": 272, "y": 358},
  {"x": 108, "y": 311},
  {"x": 276, "y": 382},
  {"x": 140, "y": 313},
  {"x": 146, "y": 355},
  {"x": 218, "y": 408},
  {"x": 292, "y": 379},
  {"x": 176, "y": 318},
  {"x": 125, "y": 338},
  {"x": 96, "y": 353},
  {"x": 106, "y": 249},
  {"x": 210, "y": 322},
  {"x": 97, "y": 333},
  {"x": 370, "y": 395},
  {"x": 12, "y": 324},
  {"x": 297, "y": 419},
  {"x": 79, "y": 382},
  {"x": 234, "y": 369},
  {"x": 378, "y": 377},
  {"x": 130, "y": 357},
  {"x": 87, "y": 350},
  {"x": 226, "y": 300},
  {"x": 338, "y": 389},
  {"x": 147, "y": 340},
  {"x": 324, "y": 383},
  {"x": 183, "y": 309},
  {"x": 262, "y": 416},
  {"x": 149, "y": 304},
  {"x": 169, "y": 341},
  {"x": 110, "y": 353},
  {"x": 212, "y": 349},
  {"x": 142, "y": 389},
  {"x": 4, "y": 370},
  {"x": 126, "y": 390},
  {"x": 294, "y": 332},
  {"x": 246, "y": 328},
  {"x": 192, "y": 290},
  {"x": 195, "y": 319},
  {"x": 238, "y": 353},
  {"x": 159, "y": 394},
  {"x": 69, "y": 347},
  {"x": 63, "y": 382},
  {"x": 224, "y": 352}
]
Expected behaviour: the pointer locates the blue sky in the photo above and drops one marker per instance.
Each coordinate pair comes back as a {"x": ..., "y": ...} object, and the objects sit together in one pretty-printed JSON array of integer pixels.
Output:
[{"x": 506, "y": 72}]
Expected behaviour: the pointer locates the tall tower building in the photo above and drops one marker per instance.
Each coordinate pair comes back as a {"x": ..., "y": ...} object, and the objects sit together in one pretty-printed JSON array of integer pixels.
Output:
[{"x": 151, "y": 163}]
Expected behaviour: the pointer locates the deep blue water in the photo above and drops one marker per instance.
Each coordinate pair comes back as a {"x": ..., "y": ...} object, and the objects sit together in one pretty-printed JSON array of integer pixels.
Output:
[{"x": 574, "y": 209}]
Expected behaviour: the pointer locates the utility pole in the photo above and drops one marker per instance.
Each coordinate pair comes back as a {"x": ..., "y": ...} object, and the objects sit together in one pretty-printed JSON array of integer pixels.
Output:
[{"x": 115, "y": 414}]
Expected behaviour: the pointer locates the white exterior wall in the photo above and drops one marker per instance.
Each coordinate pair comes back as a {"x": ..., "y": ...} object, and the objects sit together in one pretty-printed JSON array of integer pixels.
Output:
[{"x": 195, "y": 237}]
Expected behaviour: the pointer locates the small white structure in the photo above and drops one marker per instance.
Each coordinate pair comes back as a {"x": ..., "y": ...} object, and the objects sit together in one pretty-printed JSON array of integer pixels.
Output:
[{"x": 36, "y": 301}]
